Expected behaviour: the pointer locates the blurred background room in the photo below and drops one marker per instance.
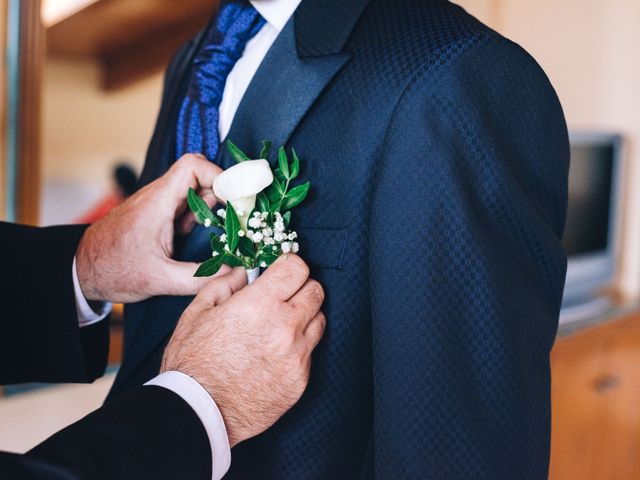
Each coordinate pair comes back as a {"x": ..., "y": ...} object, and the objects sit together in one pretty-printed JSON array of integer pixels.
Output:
[{"x": 80, "y": 87}]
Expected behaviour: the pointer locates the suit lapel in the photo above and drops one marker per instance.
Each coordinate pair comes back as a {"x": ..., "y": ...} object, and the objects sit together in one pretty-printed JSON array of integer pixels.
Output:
[
  {"x": 282, "y": 91},
  {"x": 297, "y": 68},
  {"x": 299, "y": 65}
]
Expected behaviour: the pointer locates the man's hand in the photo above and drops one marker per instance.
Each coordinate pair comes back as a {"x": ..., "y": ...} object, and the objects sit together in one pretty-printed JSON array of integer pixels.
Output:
[
  {"x": 127, "y": 256},
  {"x": 251, "y": 350}
]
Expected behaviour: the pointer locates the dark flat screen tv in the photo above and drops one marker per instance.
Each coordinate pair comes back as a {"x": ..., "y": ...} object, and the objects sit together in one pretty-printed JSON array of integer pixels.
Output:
[{"x": 592, "y": 225}]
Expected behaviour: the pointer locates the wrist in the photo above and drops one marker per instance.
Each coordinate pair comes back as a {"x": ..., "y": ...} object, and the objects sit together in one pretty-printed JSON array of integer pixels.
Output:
[
  {"x": 84, "y": 267},
  {"x": 218, "y": 398}
]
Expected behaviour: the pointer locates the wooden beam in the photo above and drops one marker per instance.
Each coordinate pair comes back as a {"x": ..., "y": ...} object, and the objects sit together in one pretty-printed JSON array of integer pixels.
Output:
[
  {"x": 129, "y": 38},
  {"x": 32, "y": 54},
  {"x": 146, "y": 56}
]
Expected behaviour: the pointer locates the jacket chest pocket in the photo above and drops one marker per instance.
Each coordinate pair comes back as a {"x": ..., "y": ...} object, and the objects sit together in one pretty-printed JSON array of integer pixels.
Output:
[{"x": 323, "y": 247}]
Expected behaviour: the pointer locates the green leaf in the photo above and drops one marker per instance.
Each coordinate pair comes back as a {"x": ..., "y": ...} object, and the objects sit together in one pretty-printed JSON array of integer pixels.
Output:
[
  {"x": 200, "y": 208},
  {"x": 278, "y": 174},
  {"x": 232, "y": 260},
  {"x": 216, "y": 244},
  {"x": 268, "y": 258},
  {"x": 295, "y": 166},
  {"x": 266, "y": 148},
  {"x": 295, "y": 196},
  {"x": 237, "y": 154},
  {"x": 262, "y": 202},
  {"x": 283, "y": 162},
  {"x": 286, "y": 218},
  {"x": 210, "y": 267},
  {"x": 275, "y": 207},
  {"x": 232, "y": 227},
  {"x": 247, "y": 247},
  {"x": 276, "y": 191}
]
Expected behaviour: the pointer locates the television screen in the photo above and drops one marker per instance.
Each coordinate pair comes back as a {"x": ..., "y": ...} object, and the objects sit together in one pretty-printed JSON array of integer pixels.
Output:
[{"x": 589, "y": 208}]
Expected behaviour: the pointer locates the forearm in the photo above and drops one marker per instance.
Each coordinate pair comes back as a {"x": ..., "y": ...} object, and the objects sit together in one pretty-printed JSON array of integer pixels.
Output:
[{"x": 41, "y": 340}]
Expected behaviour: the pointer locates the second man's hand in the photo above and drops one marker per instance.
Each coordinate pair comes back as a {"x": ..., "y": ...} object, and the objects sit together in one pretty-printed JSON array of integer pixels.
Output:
[
  {"x": 251, "y": 350},
  {"x": 127, "y": 256}
]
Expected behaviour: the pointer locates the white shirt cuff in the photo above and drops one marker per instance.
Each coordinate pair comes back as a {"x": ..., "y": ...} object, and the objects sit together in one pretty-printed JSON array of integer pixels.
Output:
[
  {"x": 86, "y": 314},
  {"x": 201, "y": 402}
]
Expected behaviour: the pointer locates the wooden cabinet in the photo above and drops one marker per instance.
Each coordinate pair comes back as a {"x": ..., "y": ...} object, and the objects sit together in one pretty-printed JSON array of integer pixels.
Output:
[{"x": 596, "y": 403}]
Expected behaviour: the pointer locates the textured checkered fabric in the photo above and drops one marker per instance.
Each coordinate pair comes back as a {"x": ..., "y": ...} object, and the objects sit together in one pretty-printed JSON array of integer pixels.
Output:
[{"x": 438, "y": 155}]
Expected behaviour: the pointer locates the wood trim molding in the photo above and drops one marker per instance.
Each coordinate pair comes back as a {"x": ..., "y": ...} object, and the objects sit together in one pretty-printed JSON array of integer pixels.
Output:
[{"x": 32, "y": 55}]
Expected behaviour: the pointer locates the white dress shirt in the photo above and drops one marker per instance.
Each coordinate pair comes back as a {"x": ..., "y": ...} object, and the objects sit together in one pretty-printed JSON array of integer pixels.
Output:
[{"x": 277, "y": 14}]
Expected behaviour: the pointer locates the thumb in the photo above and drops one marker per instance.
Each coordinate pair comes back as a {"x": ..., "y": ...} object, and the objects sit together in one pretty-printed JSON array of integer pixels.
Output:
[{"x": 180, "y": 280}]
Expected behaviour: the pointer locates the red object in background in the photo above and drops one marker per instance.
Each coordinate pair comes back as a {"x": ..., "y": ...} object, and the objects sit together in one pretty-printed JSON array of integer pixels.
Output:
[{"x": 100, "y": 209}]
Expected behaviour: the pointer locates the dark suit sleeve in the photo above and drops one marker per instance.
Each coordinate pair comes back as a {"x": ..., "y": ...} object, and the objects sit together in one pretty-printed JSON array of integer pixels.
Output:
[
  {"x": 467, "y": 270},
  {"x": 131, "y": 437},
  {"x": 40, "y": 340}
]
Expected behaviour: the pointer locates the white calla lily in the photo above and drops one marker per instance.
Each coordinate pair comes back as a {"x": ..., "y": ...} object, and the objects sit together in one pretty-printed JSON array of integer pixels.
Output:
[{"x": 240, "y": 184}]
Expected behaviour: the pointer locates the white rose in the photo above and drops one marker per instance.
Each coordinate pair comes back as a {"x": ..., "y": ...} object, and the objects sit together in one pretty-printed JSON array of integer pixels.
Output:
[{"x": 240, "y": 184}]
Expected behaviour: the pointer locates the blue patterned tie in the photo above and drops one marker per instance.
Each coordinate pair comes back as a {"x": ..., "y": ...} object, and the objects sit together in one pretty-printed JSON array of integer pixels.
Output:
[{"x": 197, "y": 130}]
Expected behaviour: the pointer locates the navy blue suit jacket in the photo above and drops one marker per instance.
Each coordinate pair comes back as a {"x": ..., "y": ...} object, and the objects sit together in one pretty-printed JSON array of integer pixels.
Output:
[{"x": 438, "y": 154}]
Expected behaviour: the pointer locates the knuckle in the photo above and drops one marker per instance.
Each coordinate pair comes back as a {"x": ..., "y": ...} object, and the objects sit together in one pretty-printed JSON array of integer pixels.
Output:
[
  {"x": 298, "y": 266},
  {"x": 287, "y": 333},
  {"x": 316, "y": 292},
  {"x": 188, "y": 159},
  {"x": 322, "y": 322}
]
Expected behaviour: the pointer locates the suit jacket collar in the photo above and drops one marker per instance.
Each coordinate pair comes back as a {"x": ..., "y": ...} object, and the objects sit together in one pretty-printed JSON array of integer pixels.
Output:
[
  {"x": 273, "y": 105},
  {"x": 314, "y": 18}
]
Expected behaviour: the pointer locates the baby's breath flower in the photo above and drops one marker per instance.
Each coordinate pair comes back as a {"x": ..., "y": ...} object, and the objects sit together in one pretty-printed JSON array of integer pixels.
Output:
[
  {"x": 241, "y": 233},
  {"x": 293, "y": 236},
  {"x": 257, "y": 237},
  {"x": 207, "y": 222},
  {"x": 295, "y": 248},
  {"x": 223, "y": 238},
  {"x": 222, "y": 213},
  {"x": 263, "y": 264},
  {"x": 267, "y": 232},
  {"x": 279, "y": 236},
  {"x": 274, "y": 248},
  {"x": 286, "y": 247},
  {"x": 268, "y": 240},
  {"x": 254, "y": 222},
  {"x": 278, "y": 225}
]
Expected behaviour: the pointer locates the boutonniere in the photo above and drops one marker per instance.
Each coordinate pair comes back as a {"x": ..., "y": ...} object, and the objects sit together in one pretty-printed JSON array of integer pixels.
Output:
[{"x": 252, "y": 230}]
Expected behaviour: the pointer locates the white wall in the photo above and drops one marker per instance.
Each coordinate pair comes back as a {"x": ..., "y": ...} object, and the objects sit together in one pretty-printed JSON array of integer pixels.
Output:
[
  {"x": 85, "y": 130},
  {"x": 590, "y": 50}
]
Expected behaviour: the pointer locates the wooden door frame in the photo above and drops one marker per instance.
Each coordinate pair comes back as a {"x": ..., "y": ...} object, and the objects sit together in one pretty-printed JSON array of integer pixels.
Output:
[
  {"x": 25, "y": 135},
  {"x": 32, "y": 57},
  {"x": 3, "y": 108}
]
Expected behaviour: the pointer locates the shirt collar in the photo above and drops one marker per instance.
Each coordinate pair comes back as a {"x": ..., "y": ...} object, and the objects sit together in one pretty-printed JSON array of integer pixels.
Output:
[{"x": 276, "y": 12}]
